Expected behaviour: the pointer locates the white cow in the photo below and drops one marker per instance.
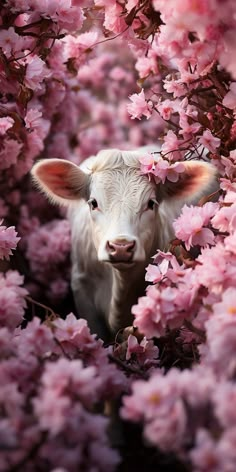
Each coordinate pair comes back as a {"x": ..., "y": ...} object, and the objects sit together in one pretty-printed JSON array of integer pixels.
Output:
[{"x": 119, "y": 218}]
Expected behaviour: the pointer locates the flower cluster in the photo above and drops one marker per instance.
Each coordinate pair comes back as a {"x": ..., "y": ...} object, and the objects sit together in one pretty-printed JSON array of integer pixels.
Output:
[
  {"x": 67, "y": 92},
  {"x": 191, "y": 226},
  {"x": 8, "y": 241},
  {"x": 183, "y": 413},
  {"x": 47, "y": 249},
  {"x": 51, "y": 389}
]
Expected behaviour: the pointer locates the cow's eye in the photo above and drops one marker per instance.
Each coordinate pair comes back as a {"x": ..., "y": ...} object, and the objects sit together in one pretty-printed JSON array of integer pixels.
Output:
[
  {"x": 93, "y": 203},
  {"x": 151, "y": 204}
]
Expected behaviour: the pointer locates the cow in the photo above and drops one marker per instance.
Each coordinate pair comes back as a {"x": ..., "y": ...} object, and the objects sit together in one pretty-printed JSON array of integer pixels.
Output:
[{"x": 119, "y": 218}]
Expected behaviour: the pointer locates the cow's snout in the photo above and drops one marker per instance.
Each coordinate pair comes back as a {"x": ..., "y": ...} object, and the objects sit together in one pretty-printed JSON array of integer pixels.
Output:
[{"x": 120, "y": 251}]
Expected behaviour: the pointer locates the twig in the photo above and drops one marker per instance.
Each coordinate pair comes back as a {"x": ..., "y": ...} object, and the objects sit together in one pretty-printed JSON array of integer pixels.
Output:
[
  {"x": 195, "y": 330},
  {"x": 127, "y": 367},
  {"x": 34, "y": 302}
]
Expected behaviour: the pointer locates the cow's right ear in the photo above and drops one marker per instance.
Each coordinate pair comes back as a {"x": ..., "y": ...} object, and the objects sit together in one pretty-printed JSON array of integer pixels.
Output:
[{"x": 62, "y": 181}]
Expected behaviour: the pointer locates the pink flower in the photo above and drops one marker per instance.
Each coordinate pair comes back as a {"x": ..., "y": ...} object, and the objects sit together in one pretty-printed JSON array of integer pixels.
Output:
[
  {"x": 75, "y": 339},
  {"x": 226, "y": 58},
  {"x": 68, "y": 16},
  {"x": 5, "y": 123},
  {"x": 225, "y": 219},
  {"x": 188, "y": 129},
  {"x": 229, "y": 164},
  {"x": 33, "y": 118},
  {"x": 61, "y": 373},
  {"x": 36, "y": 72},
  {"x": 161, "y": 308},
  {"x": 205, "y": 454},
  {"x": 174, "y": 270},
  {"x": 76, "y": 47},
  {"x": 131, "y": 4},
  {"x": 9, "y": 153},
  {"x": 220, "y": 348},
  {"x": 7, "y": 347},
  {"x": 168, "y": 435},
  {"x": 230, "y": 243},
  {"x": 12, "y": 299},
  {"x": 47, "y": 249},
  {"x": 176, "y": 87},
  {"x": 165, "y": 170},
  {"x": 147, "y": 316},
  {"x": 148, "y": 163},
  {"x": 52, "y": 411},
  {"x": 190, "y": 226},
  {"x": 224, "y": 398},
  {"x": 8, "y": 241},
  {"x": 72, "y": 330},
  {"x": 171, "y": 146},
  {"x": 147, "y": 65},
  {"x": 155, "y": 273},
  {"x": 133, "y": 347},
  {"x": 149, "y": 354},
  {"x": 221, "y": 265},
  {"x": 209, "y": 141},
  {"x": 145, "y": 352},
  {"x": 166, "y": 108},
  {"x": 229, "y": 100},
  {"x": 10, "y": 41},
  {"x": 113, "y": 18},
  {"x": 158, "y": 405},
  {"x": 37, "y": 339},
  {"x": 139, "y": 106},
  {"x": 228, "y": 304}
]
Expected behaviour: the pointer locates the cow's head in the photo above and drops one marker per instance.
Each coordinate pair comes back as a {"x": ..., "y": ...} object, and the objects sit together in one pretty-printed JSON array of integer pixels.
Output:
[{"x": 123, "y": 203}]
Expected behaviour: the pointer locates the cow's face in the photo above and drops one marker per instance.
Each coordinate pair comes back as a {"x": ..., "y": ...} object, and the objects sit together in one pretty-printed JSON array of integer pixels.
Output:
[
  {"x": 123, "y": 203},
  {"x": 123, "y": 208}
]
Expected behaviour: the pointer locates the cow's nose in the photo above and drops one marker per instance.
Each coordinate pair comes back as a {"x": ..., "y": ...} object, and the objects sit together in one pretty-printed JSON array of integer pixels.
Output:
[{"x": 120, "y": 251}]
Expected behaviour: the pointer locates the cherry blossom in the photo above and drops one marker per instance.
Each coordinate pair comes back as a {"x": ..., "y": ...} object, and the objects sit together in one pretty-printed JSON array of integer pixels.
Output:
[
  {"x": 145, "y": 351},
  {"x": 76, "y": 77},
  {"x": 36, "y": 72},
  {"x": 165, "y": 170},
  {"x": 190, "y": 227},
  {"x": 155, "y": 273},
  {"x": 12, "y": 299},
  {"x": 5, "y": 123},
  {"x": 230, "y": 98},
  {"x": 10, "y": 42},
  {"x": 8, "y": 241},
  {"x": 139, "y": 106},
  {"x": 209, "y": 141}
]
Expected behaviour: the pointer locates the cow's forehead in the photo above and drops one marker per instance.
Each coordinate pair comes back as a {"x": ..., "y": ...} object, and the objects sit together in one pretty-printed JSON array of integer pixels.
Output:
[{"x": 124, "y": 184}]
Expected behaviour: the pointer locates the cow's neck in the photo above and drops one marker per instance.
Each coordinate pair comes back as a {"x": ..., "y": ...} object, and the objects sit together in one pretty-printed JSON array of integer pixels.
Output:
[{"x": 127, "y": 287}]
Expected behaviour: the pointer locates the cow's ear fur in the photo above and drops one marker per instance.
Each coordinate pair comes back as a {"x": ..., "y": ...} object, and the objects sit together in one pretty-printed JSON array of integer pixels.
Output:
[
  {"x": 62, "y": 181},
  {"x": 199, "y": 179}
]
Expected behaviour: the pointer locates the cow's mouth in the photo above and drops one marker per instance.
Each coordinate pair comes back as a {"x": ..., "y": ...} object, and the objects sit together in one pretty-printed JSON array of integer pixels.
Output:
[{"x": 121, "y": 264}]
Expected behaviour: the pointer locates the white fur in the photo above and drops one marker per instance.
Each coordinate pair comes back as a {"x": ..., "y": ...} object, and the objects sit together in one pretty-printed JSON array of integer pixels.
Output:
[{"x": 102, "y": 290}]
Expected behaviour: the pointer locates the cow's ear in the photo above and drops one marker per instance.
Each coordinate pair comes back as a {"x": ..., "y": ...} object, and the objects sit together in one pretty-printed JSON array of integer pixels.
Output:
[
  {"x": 62, "y": 181},
  {"x": 198, "y": 179}
]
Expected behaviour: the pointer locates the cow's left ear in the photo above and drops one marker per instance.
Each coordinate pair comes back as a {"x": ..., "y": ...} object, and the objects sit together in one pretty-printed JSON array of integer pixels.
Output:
[
  {"x": 61, "y": 180},
  {"x": 199, "y": 179}
]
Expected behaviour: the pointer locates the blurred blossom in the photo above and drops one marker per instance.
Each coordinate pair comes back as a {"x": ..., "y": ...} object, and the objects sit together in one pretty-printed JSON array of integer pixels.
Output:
[{"x": 76, "y": 77}]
